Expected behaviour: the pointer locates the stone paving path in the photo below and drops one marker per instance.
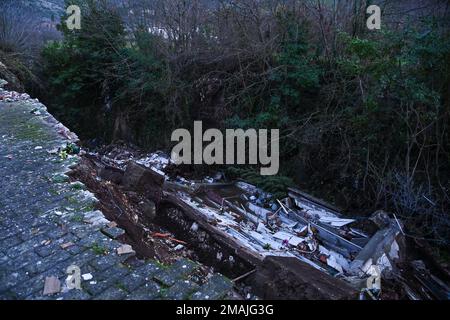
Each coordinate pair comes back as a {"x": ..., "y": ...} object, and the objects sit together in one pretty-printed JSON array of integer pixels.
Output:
[{"x": 48, "y": 224}]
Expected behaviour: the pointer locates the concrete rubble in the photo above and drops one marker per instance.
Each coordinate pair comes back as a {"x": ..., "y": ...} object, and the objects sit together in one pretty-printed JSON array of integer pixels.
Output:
[
  {"x": 338, "y": 259},
  {"x": 12, "y": 96}
]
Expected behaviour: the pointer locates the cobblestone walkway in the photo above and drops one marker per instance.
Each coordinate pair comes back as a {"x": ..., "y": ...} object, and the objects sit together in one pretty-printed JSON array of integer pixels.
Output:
[{"x": 48, "y": 224}]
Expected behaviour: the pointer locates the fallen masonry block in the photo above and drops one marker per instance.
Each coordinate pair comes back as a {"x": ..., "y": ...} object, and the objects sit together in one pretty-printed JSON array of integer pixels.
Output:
[
  {"x": 52, "y": 286},
  {"x": 113, "y": 233}
]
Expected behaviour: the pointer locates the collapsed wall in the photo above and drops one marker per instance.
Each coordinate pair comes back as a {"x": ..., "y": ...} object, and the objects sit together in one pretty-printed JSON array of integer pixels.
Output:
[{"x": 294, "y": 248}]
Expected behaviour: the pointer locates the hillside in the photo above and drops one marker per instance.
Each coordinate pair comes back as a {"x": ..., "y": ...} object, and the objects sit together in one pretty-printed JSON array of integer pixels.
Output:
[{"x": 45, "y": 8}]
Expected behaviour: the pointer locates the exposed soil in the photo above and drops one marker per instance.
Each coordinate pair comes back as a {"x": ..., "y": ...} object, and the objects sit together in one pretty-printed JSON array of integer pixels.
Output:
[{"x": 166, "y": 237}]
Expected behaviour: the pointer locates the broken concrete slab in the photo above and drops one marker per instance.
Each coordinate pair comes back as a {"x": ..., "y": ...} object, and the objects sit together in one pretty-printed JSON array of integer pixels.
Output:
[{"x": 382, "y": 250}]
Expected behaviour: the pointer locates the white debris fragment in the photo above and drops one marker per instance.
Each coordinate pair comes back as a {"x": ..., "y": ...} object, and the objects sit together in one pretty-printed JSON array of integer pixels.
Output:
[
  {"x": 52, "y": 151},
  {"x": 194, "y": 227},
  {"x": 208, "y": 180},
  {"x": 292, "y": 239},
  {"x": 262, "y": 228},
  {"x": 260, "y": 212},
  {"x": 335, "y": 260},
  {"x": 178, "y": 247},
  {"x": 87, "y": 277},
  {"x": 384, "y": 263},
  {"x": 394, "y": 251},
  {"x": 156, "y": 161}
]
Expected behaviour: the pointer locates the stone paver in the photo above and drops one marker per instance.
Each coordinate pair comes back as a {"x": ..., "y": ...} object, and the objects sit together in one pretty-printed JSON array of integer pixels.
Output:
[{"x": 48, "y": 224}]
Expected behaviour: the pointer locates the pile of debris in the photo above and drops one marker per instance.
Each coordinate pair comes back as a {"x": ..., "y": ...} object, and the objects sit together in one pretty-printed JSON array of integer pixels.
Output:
[
  {"x": 11, "y": 96},
  {"x": 296, "y": 227},
  {"x": 298, "y": 242}
]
